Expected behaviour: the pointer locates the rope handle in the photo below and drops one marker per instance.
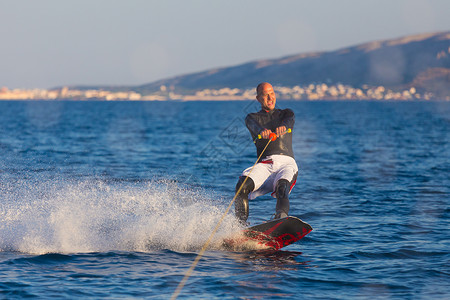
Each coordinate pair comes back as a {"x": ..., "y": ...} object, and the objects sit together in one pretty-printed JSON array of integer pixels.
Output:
[{"x": 259, "y": 137}]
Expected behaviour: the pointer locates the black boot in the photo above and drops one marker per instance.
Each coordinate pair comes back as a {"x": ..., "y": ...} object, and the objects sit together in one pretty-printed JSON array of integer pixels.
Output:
[
  {"x": 241, "y": 204},
  {"x": 282, "y": 193}
]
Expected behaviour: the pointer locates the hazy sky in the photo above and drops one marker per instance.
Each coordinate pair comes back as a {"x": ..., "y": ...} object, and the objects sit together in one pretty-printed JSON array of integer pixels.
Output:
[{"x": 48, "y": 43}]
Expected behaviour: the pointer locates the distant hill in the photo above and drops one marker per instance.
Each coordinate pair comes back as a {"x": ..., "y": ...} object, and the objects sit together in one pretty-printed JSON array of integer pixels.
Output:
[{"x": 422, "y": 61}]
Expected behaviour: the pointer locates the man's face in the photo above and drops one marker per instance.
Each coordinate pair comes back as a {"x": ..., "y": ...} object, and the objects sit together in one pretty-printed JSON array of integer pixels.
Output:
[{"x": 266, "y": 97}]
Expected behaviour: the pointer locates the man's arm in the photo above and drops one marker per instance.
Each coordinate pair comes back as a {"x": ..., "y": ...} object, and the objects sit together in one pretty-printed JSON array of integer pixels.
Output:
[
  {"x": 253, "y": 126},
  {"x": 288, "y": 119},
  {"x": 286, "y": 123}
]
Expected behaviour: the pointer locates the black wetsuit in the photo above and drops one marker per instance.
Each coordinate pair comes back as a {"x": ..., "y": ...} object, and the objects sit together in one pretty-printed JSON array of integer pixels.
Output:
[{"x": 257, "y": 122}]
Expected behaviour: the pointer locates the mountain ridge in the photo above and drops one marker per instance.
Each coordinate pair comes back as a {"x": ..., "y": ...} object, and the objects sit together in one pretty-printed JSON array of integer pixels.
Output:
[{"x": 421, "y": 60}]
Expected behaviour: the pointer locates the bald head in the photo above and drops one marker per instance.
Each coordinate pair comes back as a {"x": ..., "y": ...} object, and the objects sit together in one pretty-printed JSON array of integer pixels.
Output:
[
  {"x": 266, "y": 96},
  {"x": 262, "y": 86}
]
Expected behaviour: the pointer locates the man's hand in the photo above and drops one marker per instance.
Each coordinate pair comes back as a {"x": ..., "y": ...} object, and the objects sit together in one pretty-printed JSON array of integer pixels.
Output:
[
  {"x": 266, "y": 133},
  {"x": 281, "y": 131}
]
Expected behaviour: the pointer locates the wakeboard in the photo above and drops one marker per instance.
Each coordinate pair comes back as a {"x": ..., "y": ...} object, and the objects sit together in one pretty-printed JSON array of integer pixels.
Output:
[{"x": 273, "y": 235}]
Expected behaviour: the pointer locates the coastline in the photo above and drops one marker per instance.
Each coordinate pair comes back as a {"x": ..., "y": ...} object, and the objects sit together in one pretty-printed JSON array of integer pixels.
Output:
[{"x": 310, "y": 92}]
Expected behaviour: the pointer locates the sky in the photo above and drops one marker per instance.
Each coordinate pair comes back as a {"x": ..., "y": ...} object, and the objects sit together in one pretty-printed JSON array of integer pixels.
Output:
[{"x": 53, "y": 43}]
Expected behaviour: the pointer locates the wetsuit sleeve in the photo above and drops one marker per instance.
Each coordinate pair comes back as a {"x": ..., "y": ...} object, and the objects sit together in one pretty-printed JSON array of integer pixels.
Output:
[
  {"x": 288, "y": 118},
  {"x": 253, "y": 126}
]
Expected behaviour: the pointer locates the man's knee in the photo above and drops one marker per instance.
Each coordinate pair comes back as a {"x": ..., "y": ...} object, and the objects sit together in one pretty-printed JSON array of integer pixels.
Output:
[
  {"x": 282, "y": 189},
  {"x": 244, "y": 186}
]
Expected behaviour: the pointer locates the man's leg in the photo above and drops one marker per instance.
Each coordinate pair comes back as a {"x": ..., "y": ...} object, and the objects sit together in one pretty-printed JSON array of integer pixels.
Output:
[
  {"x": 285, "y": 180},
  {"x": 241, "y": 202},
  {"x": 282, "y": 193}
]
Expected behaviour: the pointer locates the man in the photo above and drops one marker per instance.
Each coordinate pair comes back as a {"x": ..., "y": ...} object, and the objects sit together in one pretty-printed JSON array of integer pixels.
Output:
[{"x": 276, "y": 170}]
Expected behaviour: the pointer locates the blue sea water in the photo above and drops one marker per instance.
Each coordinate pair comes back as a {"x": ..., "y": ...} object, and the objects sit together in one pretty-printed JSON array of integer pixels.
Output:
[{"x": 115, "y": 200}]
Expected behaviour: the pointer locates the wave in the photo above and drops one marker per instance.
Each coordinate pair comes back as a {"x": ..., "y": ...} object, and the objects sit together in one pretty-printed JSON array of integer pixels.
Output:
[{"x": 94, "y": 216}]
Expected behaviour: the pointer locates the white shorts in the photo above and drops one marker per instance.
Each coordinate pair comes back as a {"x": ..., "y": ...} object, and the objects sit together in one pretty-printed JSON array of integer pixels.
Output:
[{"x": 267, "y": 172}]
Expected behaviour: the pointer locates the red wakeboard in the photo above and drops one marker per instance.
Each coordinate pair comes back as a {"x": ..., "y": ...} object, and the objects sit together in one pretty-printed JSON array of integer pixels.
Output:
[{"x": 274, "y": 235}]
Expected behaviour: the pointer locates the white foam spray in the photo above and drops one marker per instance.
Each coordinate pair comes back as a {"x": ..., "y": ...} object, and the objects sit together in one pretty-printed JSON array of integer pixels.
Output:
[{"x": 94, "y": 216}]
